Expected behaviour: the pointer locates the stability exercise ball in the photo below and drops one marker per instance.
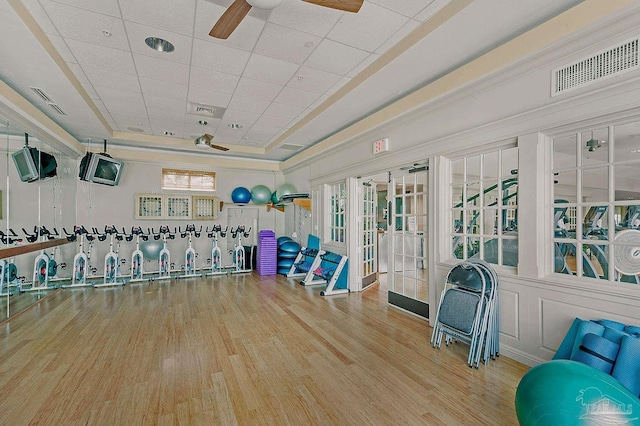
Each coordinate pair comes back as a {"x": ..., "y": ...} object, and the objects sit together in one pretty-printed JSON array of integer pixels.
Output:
[
  {"x": 241, "y": 195},
  {"x": 260, "y": 194},
  {"x": 274, "y": 198},
  {"x": 285, "y": 189},
  {"x": 151, "y": 248}
]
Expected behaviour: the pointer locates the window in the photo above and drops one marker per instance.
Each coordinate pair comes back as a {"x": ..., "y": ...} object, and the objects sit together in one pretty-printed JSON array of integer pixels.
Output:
[
  {"x": 596, "y": 203},
  {"x": 484, "y": 209},
  {"x": 337, "y": 211},
  {"x": 190, "y": 180}
]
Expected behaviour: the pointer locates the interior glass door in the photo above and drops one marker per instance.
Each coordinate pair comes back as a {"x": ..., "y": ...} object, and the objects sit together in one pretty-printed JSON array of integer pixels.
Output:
[
  {"x": 368, "y": 219},
  {"x": 407, "y": 225}
]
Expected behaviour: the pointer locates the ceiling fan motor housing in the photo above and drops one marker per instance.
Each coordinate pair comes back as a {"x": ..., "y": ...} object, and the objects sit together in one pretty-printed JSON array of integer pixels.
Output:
[{"x": 265, "y": 4}]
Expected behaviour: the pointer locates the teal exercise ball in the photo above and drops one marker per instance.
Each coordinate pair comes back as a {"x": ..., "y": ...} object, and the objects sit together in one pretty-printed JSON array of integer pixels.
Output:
[
  {"x": 285, "y": 189},
  {"x": 241, "y": 195},
  {"x": 274, "y": 198},
  {"x": 260, "y": 194},
  {"x": 151, "y": 248}
]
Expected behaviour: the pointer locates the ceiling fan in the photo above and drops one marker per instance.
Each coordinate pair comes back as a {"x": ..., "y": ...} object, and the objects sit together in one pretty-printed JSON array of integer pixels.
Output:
[
  {"x": 235, "y": 13},
  {"x": 204, "y": 141}
]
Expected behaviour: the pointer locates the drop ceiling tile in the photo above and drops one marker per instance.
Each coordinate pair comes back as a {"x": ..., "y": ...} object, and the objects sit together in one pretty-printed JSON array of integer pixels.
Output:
[
  {"x": 431, "y": 9},
  {"x": 272, "y": 121},
  {"x": 313, "y": 80},
  {"x": 315, "y": 105},
  {"x": 112, "y": 79},
  {"x": 80, "y": 24},
  {"x": 163, "y": 88},
  {"x": 160, "y": 124},
  {"x": 408, "y": 8},
  {"x": 132, "y": 101},
  {"x": 284, "y": 43},
  {"x": 282, "y": 110},
  {"x": 37, "y": 11},
  {"x": 170, "y": 15},
  {"x": 107, "y": 7},
  {"x": 368, "y": 28},
  {"x": 214, "y": 80},
  {"x": 61, "y": 47},
  {"x": 257, "y": 89},
  {"x": 217, "y": 57},
  {"x": 102, "y": 57},
  {"x": 160, "y": 104},
  {"x": 268, "y": 69},
  {"x": 362, "y": 65},
  {"x": 131, "y": 120},
  {"x": 243, "y": 37},
  {"x": 192, "y": 127},
  {"x": 201, "y": 95},
  {"x": 258, "y": 131},
  {"x": 138, "y": 33},
  {"x": 244, "y": 118},
  {"x": 172, "y": 72},
  {"x": 334, "y": 57},
  {"x": 76, "y": 69},
  {"x": 245, "y": 103},
  {"x": 90, "y": 91},
  {"x": 305, "y": 17},
  {"x": 296, "y": 97},
  {"x": 411, "y": 25},
  {"x": 227, "y": 136}
]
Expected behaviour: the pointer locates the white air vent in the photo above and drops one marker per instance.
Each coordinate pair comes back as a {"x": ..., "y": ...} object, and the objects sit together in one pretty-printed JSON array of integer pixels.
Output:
[
  {"x": 604, "y": 64},
  {"x": 290, "y": 147},
  {"x": 42, "y": 94},
  {"x": 57, "y": 109},
  {"x": 205, "y": 110}
]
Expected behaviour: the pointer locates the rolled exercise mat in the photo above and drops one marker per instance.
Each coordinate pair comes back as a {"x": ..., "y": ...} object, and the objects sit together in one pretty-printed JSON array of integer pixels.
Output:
[
  {"x": 597, "y": 352},
  {"x": 583, "y": 328},
  {"x": 612, "y": 324},
  {"x": 627, "y": 367}
]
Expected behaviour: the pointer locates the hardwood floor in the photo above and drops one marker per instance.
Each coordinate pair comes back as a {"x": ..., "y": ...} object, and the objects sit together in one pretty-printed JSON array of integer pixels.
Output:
[{"x": 239, "y": 350}]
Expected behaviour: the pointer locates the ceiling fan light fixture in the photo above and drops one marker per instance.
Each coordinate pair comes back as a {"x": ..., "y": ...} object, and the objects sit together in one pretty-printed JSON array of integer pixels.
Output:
[
  {"x": 159, "y": 44},
  {"x": 265, "y": 4},
  {"x": 202, "y": 142}
]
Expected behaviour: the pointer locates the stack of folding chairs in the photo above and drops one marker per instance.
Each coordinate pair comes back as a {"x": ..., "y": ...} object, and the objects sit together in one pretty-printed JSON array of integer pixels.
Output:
[{"x": 468, "y": 311}]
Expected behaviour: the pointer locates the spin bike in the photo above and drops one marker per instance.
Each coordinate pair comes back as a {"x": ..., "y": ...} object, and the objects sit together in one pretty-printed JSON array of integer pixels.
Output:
[
  {"x": 190, "y": 254},
  {"x": 8, "y": 270},
  {"x": 216, "y": 253},
  {"x": 45, "y": 267},
  {"x": 80, "y": 260},
  {"x": 239, "y": 261},
  {"x": 137, "y": 257},
  {"x": 111, "y": 259},
  {"x": 164, "y": 259}
]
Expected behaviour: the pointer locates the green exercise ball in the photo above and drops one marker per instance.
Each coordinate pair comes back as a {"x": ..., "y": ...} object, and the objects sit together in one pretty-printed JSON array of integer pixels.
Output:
[
  {"x": 260, "y": 194},
  {"x": 285, "y": 189},
  {"x": 151, "y": 248},
  {"x": 274, "y": 197}
]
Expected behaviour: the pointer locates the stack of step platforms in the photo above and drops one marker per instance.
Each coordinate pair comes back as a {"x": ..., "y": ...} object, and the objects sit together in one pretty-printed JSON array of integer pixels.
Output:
[{"x": 267, "y": 261}]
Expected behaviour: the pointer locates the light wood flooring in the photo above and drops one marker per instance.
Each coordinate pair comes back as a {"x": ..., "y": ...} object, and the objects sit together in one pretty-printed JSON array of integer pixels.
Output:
[{"x": 243, "y": 350}]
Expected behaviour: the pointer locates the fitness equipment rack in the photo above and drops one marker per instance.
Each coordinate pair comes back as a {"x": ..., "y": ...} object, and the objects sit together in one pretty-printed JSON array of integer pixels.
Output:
[
  {"x": 164, "y": 259},
  {"x": 45, "y": 267},
  {"x": 331, "y": 270},
  {"x": 137, "y": 257},
  {"x": 216, "y": 253},
  {"x": 80, "y": 260},
  {"x": 238, "y": 250},
  {"x": 111, "y": 259},
  {"x": 308, "y": 259},
  {"x": 8, "y": 270},
  {"x": 190, "y": 254}
]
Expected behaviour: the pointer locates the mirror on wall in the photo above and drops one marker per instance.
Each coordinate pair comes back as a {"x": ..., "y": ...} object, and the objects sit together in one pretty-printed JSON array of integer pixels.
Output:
[{"x": 37, "y": 202}]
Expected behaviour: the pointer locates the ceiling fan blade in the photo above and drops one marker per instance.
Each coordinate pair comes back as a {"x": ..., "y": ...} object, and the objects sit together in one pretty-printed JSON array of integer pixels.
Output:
[
  {"x": 230, "y": 19},
  {"x": 346, "y": 5},
  {"x": 221, "y": 148}
]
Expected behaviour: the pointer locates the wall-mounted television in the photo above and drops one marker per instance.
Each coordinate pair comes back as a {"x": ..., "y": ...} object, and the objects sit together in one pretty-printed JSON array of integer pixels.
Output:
[
  {"x": 100, "y": 168},
  {"x": 33, "y": 165}
]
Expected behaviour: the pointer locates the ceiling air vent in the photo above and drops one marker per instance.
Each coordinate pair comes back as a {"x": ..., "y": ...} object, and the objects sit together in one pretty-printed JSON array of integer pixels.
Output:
[
  {"x": 57, "y": 109},
  {"x": 290, "y": 147},
  {"x": 604, "y": 64},
  {"x": 42, "y": 94},
  {"x": 211, "y": 111}
]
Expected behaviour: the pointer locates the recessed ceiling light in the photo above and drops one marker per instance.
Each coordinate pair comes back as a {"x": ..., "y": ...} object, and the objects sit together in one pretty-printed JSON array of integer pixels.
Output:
[
  {"x": 235, "y": 126},
  {"x": 169, "y": 133},
  {"x": 135, "y": 129},
  {"x": 202, "y": 122},
  {"x": 106, "y": 33},
  {"x": 159, "y": 44}
]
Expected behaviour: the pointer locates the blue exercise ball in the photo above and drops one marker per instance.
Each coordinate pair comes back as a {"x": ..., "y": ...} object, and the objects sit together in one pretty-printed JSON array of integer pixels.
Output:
[
  {"x": 241, "y": 195},
  {"x": 151, "y": 248},
  {"x": 285, "y": 189},
  {"x": 260, "y": 194}
]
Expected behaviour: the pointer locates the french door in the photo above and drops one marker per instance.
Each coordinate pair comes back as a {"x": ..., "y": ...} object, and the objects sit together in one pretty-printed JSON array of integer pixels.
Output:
[{"x": 368, "y": 230}]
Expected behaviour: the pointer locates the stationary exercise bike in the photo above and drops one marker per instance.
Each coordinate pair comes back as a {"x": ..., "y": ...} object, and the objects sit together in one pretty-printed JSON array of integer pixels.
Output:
[
  {"x": 111, "y": 259},
  {"x": 45, "y": 268},
  {"x": 8, "y": 270},
  {"x": 239, "y": 263},
  {"x": 137, "y": 257},
  {"x": 80, "y": 260},
  {"x": 164, "y": 259},
  {"x": 216, "y": 253},
  {"x": 190, "y": 254}
]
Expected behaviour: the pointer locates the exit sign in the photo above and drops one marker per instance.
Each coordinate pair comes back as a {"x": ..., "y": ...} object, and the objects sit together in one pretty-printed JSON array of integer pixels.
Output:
[{"x": 381, "y": 145}]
